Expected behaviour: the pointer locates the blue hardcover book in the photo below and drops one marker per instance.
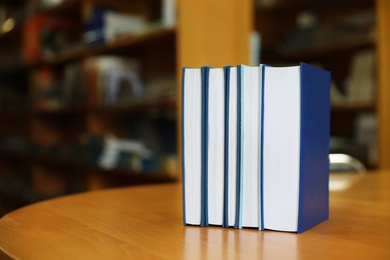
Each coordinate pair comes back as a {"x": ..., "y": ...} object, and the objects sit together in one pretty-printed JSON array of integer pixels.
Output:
[
  {"x": 251, "y": 89},
  {"x": 239, "y": 179},
  {"x": 296, "y": 147},
  {"x": 226, "y": 71},
  {"x": 232, "y": 148},
  {"x": 192, "y": 144},
  {"x": 215, "y": 146}
]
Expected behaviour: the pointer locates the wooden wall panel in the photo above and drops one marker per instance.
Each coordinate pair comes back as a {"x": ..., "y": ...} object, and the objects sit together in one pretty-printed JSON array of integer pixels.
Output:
[{"x": 383, "y": 47}]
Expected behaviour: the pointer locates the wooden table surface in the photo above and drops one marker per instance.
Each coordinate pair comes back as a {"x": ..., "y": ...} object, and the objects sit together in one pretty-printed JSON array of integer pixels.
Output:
[{"x": 146, "y": 223}]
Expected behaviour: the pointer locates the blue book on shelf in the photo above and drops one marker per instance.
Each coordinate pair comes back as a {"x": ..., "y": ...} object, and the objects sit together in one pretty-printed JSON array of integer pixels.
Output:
[{"x": 296, "y": 147}]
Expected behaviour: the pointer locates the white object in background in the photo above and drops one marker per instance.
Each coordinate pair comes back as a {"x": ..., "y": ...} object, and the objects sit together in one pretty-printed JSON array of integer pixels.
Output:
[
  {"x": 344, "y": 162},
  {"x": 117, "y": 24},
  {"x": 255, "y": 48},
  {"x": 168, "y": 13}
]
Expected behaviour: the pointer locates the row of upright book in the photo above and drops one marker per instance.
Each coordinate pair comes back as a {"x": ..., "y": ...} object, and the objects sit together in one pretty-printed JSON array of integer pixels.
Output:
[{"x": 255, "y": 146}]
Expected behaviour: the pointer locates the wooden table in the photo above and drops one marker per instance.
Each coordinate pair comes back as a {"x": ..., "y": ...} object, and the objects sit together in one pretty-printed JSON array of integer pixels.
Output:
[{"x": 146, "y": 223}]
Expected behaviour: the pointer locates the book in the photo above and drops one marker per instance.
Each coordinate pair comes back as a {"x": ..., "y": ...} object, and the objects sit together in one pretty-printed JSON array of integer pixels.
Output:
[
  {"x": 215, "y": 131},
  {"x": 296, "y": 147},
  {"x": 232, "y": 148},
  {"x": 193, "y": 183},
  {"x": 113, "y": 81},
  {"x": 255, "y": 146},
  {"x": 250, "y": 86},
  {"x": 360, "y": 87},
  {"x": 105, "y": 25}
]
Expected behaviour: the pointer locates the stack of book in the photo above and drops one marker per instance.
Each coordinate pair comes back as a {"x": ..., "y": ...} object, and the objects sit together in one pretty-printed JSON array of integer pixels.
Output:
[{"x": 255, "y": 146}]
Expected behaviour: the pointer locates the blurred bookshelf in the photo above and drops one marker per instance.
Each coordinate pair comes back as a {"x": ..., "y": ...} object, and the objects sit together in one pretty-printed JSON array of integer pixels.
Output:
[{"x": 85, "y": 99}]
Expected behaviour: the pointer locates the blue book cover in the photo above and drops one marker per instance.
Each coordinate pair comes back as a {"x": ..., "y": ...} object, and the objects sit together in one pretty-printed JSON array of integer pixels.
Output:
[
  {"x": 296, "y": 147},
  {"x": 315, "y": 134}
]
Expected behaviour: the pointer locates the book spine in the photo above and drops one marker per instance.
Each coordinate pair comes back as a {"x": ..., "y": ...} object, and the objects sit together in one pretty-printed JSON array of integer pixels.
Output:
[
  {"x": 239, "y": 179},
  {"x": 183, "y": 144},
  {"x": 225, "y": 222},
  {"x": 205, "y": 99},
  {"x": 261, "y": 199}
]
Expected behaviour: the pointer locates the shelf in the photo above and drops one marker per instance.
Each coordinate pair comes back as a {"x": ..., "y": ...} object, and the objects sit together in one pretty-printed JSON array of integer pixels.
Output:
[
  {"x": 314, "y": 5},
  {"x": 354, "y": 107},
  {"x": 64, "y": 57},
  {"x": 60, "y": 111},
  {"x": 133, "y": 41},
  {"x": 82, "y": 167},
  {"x": 347, "y": 46},
  {"x": 137, "y": 175},
  {"x": 14, "y": 113},
  {"x": 131, "y": 108},
  {"x": 142, "y": 106},
  {"x": 15, "y": 199},
  {"x": 130, "y": 42},
  {"x": 7, "y": 36},
  {"x": 65, "y": 7},
  {"x": 41, "y": 112}
]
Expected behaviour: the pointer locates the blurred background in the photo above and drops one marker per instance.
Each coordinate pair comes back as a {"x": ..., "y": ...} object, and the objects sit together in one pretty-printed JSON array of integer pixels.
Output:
[{"x": 90, "y": 89}]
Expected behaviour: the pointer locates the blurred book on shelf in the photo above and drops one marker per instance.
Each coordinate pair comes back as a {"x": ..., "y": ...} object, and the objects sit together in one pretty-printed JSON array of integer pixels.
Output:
[
  {"x": 46, "y": 36},
  {"x": 58, "y": 35},
  {"x": 160, "y": 88},
  {"x": 366, "y": 128},
  {"x": 73, "y": 87},
  {"x": 361, "y": 82},
  {"x": 336, "y": 95},
  {"x": 359, "y": 87},
  {"x": 113, "y": 80},
  {"x": 106, "y": 23},
  {"x": 106, "y": 152},
  {"x": 55, "y": 89},
  {"x": 45, "y": 88}
]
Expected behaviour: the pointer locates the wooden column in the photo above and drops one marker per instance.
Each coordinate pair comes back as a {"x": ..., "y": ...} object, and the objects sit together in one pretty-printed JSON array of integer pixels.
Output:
[
  {"x": 214, "y": 32},
  {"x": 383, "y": 103}
]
